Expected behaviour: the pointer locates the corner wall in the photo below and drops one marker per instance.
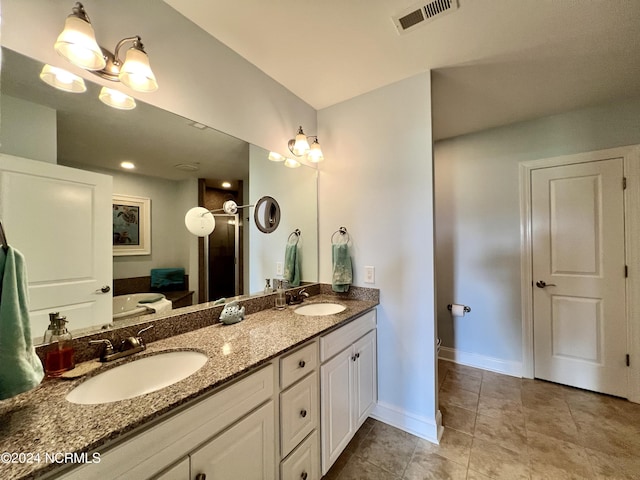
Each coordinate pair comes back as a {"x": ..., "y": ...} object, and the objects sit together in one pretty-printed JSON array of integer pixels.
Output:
[
  {"x": 478, "y": 223},
  {"x": 377, "y": 182}
]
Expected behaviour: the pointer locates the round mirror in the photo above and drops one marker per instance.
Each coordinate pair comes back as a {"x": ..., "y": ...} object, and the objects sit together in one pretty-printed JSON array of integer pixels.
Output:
[{"x": 267, "y": 214}]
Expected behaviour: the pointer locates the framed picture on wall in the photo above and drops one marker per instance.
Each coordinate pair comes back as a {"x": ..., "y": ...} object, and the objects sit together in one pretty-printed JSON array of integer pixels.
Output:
[{"x": 131, "y": 225}]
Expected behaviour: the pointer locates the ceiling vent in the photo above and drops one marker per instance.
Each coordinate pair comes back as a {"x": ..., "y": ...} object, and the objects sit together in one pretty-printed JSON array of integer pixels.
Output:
[{"x": 421, "y": 14}]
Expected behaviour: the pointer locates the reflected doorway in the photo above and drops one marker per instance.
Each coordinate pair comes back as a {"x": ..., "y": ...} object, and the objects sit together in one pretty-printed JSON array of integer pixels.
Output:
[{"x": 220, "y": 254}]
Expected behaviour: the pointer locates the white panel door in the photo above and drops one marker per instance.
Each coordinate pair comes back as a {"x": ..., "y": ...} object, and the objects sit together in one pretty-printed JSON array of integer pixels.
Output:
[
  {"x": 579, "y": 276},
  {"x": 60, "y": 219}
]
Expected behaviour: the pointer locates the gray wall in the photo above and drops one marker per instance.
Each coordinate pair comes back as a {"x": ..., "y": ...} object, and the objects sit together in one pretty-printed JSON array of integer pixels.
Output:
[
  {"x": 377, "y": 182},
  {"x": 478, "y": 219}
]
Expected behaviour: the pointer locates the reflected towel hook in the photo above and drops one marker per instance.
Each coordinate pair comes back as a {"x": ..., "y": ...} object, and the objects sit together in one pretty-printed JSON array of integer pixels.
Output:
[
  {"x": 3, "y": 238},
  {"x": 295, "y": 233},
  {"x": 342, "y": 231}
]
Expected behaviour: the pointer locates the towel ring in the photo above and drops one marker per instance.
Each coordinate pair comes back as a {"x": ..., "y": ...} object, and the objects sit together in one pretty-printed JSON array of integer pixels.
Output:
[
  {"x": 295, "y": 233},
  {"x": 341, "y": 231}
]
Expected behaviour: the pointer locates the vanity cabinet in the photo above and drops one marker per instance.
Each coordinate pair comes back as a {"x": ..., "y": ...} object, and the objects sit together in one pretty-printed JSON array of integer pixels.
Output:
[
  {"x": 299, "y": 414},
  {"x": 348, "y": 384}
]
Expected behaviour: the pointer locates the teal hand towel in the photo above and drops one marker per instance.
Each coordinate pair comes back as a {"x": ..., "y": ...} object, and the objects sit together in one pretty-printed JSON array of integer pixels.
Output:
[
  {"x": 292, "y": 265},
  {"x": 167, "y": 278},
  {"x": 20, "y": 367},
  {"x": 342, "y": 271}
]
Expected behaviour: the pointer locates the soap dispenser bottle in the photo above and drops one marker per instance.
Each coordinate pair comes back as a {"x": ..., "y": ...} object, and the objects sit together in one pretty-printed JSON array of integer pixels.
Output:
[
  {"x": 59, "y": 355},
  {"x": 267, "y": 287},
  {"x": 281, "y": 299}
]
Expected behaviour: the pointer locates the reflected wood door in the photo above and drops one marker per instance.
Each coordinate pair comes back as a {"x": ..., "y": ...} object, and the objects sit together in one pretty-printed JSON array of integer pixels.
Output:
[{"x": 579, "y": 276}]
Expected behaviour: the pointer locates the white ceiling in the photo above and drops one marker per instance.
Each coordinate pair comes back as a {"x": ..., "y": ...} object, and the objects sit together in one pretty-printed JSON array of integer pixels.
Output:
[{"x": 495, "y": 61}]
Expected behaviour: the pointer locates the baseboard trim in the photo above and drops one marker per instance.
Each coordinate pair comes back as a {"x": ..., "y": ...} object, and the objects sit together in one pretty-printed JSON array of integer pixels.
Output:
[
  {"x": 506, "y": 367},
  {"x": 417, "y": 425}
]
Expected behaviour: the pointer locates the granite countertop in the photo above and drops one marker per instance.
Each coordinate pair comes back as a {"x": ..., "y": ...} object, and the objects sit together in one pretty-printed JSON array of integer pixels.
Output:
[{"x": 42, "y": 421}]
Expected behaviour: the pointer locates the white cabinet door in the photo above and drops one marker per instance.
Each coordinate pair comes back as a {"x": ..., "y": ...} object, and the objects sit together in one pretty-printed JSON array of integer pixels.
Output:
[
  {"x": 59, "y": 218},
  {"x": 336, "y": 406},
  {"x": 366, "y": 391},
  {"x": 179, "y": 471},
  {"x": 245, "y": 451}
]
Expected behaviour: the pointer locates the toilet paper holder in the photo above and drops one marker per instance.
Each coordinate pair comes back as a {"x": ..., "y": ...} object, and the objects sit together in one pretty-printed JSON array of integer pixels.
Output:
[{"x": 466, "y": 309}]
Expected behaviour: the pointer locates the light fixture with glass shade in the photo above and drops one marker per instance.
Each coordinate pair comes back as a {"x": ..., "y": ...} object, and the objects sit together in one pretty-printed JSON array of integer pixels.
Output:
[
  {"x": 116, "y": 99},
  {"x": 62, "y": 79},
  {"x": 77, "y": 43},
  {"x": 300, "y": 147},
  {"x": 291, "y": 163}
]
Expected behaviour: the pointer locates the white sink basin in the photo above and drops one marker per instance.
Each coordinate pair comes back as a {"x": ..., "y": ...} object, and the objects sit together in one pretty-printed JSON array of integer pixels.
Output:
[
  {"x": 138, "y": 377},
  {"x": 316, "y": 309}
]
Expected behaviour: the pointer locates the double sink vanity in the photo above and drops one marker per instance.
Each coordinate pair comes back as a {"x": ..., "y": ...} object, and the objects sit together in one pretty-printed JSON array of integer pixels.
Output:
[{"x": 277, "y": 395}]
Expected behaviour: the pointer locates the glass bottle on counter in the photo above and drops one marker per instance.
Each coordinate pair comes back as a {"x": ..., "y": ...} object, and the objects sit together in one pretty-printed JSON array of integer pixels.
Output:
[
  {"x": 267, "y": 287},
  {"x": 281, "y": 299},
  {"x": 59, "y": 354}
]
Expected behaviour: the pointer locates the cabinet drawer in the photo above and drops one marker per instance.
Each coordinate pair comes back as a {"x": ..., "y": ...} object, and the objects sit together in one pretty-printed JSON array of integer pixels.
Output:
[
  {"x": 298, "y": 412},
  {"x": 343, "y": 337},
  {"x": 298, "y": 364},
  {"x": 304, "y": 462}
]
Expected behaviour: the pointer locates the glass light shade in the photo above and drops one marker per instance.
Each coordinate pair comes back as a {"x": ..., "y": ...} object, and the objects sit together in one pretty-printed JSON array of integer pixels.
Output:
[
  {"x": 291, "y": 163},
  {"x": 62, "y": 80},
  {"x": 315, "y": 153},
  {"x": 136, "y": 73},
  {"x": 276, "y": 157},
  {"x": 301, "y": 146},
  {"x": 116, "y": 99},
  {"x": 200, "y": 221},
  {"x": 77, "y": 43}
]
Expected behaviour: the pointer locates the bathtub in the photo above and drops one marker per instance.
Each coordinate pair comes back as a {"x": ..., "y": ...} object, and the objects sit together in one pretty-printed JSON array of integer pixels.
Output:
[{"x": 130, "y": 306}]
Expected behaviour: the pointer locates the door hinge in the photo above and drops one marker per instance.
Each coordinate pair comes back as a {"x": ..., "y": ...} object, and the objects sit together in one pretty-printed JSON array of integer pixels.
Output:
[
  {"x": 624, "y": 183},
  {"x": 628, "y": 361},
  {"x": 626, "y": 271}
]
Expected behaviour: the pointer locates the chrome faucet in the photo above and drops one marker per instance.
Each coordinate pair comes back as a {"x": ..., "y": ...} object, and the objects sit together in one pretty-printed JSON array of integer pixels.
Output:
[{"x": 128, "y": 346}]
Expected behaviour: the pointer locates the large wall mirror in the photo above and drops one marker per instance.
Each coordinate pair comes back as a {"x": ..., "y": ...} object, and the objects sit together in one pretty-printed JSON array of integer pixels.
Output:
[{"x": 178, "y": 164}]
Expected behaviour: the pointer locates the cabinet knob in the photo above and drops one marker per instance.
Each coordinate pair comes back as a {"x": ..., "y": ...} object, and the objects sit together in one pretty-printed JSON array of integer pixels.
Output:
[
  {"x": 201, "y": 476},
  {"x": 301, "y": 364},
  {"x": 354, "y": 358},
  {"x": 358, "y": 355},
  {"x": 303, "y": 413},
  {"x": 304, "y": 476}
]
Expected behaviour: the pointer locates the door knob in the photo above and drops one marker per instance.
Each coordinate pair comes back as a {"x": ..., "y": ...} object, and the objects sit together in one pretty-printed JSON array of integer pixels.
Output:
[
  {"x": 104, "y": 289},
  {"x": 542, "y": 284}
]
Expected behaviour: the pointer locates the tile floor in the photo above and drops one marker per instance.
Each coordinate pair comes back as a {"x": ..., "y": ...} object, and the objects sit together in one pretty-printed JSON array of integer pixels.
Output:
[{"x": 500, "y": 427}]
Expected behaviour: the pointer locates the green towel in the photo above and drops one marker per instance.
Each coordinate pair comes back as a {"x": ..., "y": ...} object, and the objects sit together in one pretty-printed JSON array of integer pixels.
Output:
[
  {"x": 167, "y": 278},
  {"x": 20, "y": 367},
  {"x": 342, "y": 271},
  {"x": 292, "y": 265},
  {"x": 152, "y": 299}
]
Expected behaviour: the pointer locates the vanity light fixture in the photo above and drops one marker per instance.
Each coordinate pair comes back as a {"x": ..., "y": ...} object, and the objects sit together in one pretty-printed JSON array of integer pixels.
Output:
[
  {"x": 77, "y": 43},
  {"x": 116, "y": 99},
  {"x": 300, "y": 147},
  {"x": 62, "y": 79},
  {"x": 276, "y": 157},
  {"x": 291, "y": 163},
  {"x": 201, "y": 222}
]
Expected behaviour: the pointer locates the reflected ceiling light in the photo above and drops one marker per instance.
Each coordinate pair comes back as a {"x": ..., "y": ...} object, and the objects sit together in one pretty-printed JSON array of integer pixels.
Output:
[
  {"x": 77, "y": 43},
  {"x": 201, "y": 221},
  {"x": 299, "y": 146},
  {"x": 226, "y": 185},
  {"x": 128, "y": 165},
  {"x": 291, "y": 163},
  {"x": 116, "y": 99},
  {"x": 276, "y": 157},
  {"x": 62, "y": 80}
]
